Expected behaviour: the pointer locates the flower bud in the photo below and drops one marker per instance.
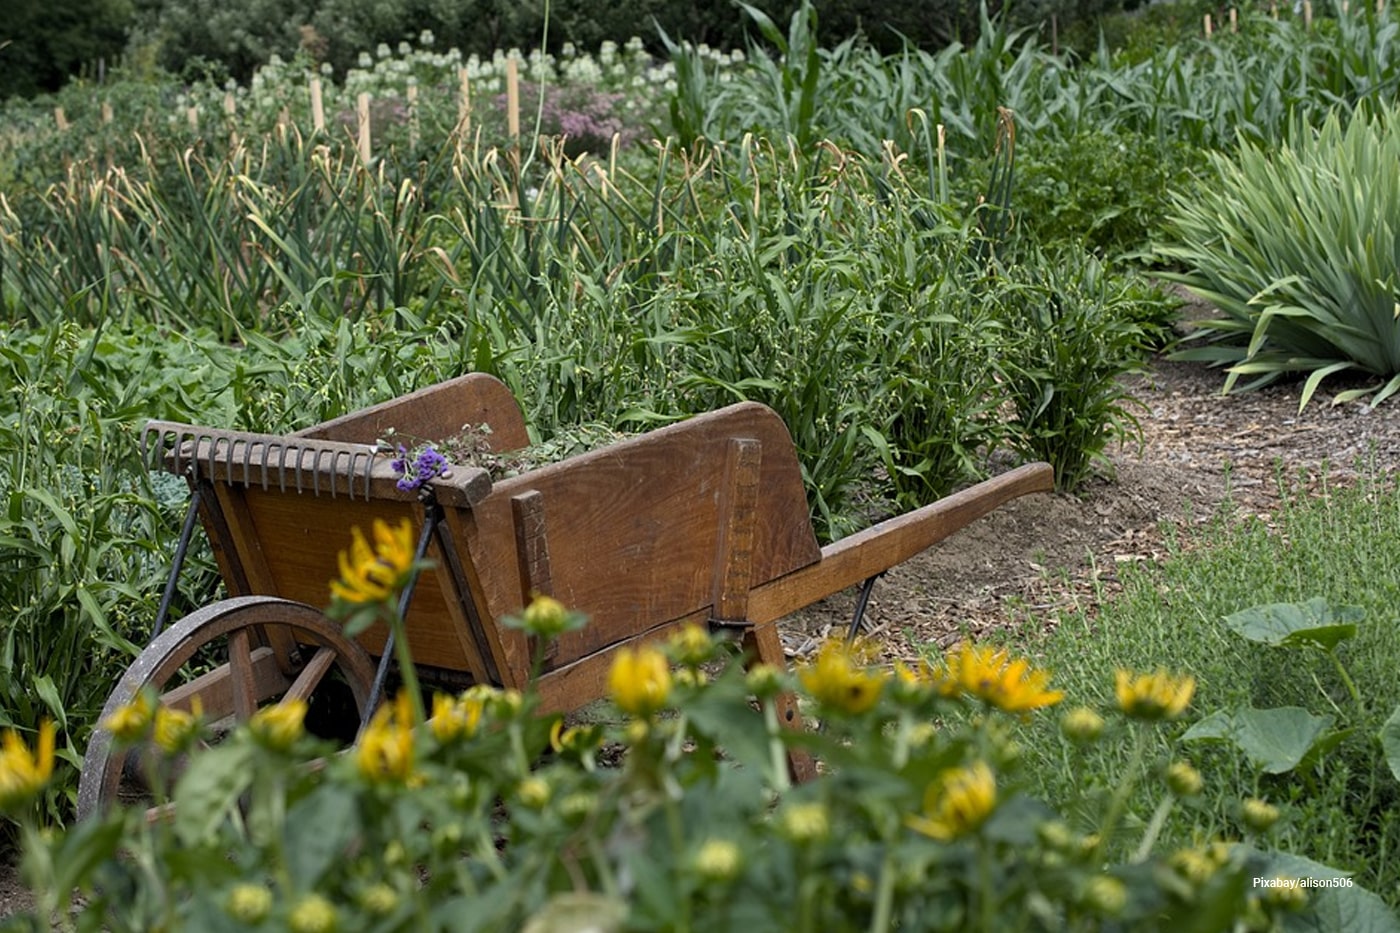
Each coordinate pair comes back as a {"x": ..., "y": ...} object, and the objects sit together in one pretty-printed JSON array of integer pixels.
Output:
[
  {"x": 314, "y": 914},
  {"x": 533, "y": 792},
  {"x": 718, "y": 860},
  {"x": 1105, "y": 895},
  {"x": 1055, "y": 835},
  {"x": 379, "y": 900},
  {"x": 249, "y": 903},
  {"x": 1183, "y": 780},
  {"x": 806, "y": 822},
  {"x": 1082, "y": 725},
  {"x": 1258, "y": 815}
]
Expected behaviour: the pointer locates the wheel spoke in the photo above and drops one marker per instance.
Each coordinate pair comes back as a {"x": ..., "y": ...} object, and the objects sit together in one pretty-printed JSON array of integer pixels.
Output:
[
  {"x": 311, "y": 675},
  {"x": 240, "y": 662}
]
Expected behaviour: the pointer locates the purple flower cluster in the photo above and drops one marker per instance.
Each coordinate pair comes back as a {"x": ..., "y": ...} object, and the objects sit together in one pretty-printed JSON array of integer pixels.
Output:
[
  {"x": 587, "y": 117},
  {"x": 414, "y": 471}
]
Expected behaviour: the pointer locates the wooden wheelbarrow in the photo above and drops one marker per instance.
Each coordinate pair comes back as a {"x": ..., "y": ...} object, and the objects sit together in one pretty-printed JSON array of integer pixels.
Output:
[{"x": 702, "y": 521}]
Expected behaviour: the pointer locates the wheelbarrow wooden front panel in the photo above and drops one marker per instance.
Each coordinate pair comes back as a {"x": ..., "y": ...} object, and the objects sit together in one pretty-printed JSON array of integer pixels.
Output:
[
  {"x": 301, "y": 536},
  {"x": 633, "y": 530}
]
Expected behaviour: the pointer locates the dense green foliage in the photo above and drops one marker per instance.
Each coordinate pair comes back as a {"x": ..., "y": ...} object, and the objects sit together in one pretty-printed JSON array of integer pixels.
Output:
[{"x": 45, "y": 42}]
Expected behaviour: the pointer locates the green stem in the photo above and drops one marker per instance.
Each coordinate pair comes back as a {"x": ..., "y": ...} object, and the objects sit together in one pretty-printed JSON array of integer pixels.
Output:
[
  {"x": 404, "y": 656},
  {"x": 986, "y": 900},
  {"x": 884, "y": 894},
  {"x": 1154, "y": 829},
  {"x": 1119, "y": 803},
  {"x": 1350, "y": 684},
  {"x": 777, "y": 751}
]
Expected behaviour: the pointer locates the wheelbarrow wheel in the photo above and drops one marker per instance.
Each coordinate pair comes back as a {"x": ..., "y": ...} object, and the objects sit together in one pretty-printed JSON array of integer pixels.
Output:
[{"x": 275, "y": 650}]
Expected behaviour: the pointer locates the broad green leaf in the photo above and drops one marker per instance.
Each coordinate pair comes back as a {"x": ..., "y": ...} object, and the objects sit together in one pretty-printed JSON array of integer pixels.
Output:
[
  {"x": 1274, "y": 740},
  {"x": 210, "y": 788},
  {"x": 318, "y": 829},
  {"x": 1219, "y": 726},
  {"x": 1314, "y": 622},
  {"x": 1390, "y": 742}
]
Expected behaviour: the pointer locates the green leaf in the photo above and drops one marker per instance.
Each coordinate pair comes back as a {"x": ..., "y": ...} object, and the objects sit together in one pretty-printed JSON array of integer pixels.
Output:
[
  {"x": 44, "y": 686},
  {"x": 1274, "y": 740},
  {"x": 331, "y": 809},
  {"x": 1353, "y": 909},
  {"x": 1296, "y": 624},
  {"x": 1219, "y": 726},
  {"x": 210, "y": 788},
  {"x": 1390, "y": 742}
]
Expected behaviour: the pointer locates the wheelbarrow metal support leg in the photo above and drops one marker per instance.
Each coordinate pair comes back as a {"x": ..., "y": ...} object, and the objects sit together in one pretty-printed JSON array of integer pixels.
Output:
[
  {"x": 176, "y": 563},
  {"x": 432, "y": 514}
]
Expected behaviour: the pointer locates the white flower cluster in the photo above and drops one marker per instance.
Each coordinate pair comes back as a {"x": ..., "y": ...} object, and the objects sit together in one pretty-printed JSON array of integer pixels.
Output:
[{"x": 282, "y": 86}]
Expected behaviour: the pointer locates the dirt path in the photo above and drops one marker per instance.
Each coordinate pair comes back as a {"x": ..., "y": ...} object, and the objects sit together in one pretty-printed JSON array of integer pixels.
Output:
[{"x": 1045, "y": 552}]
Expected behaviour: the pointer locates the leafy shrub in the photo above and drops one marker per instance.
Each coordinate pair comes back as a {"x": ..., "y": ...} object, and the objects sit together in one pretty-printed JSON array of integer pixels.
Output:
[
  {"x": 1300, "y": 248},
  {"x": 1075, "y": 337},
  {"x": 1107, "y": 191}
]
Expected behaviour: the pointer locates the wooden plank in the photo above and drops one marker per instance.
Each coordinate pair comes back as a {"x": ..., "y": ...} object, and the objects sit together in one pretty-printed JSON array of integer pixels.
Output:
[
  {"x": 312, "y": 674},
  {"x": 246, "y": 543},
  {"x": 493, "y": 655},
  {"x": 738, "y": 513},
  {"x": 762, "y": 646},
  {"x": 242, "y": 683},
  {"x": 435, "y": 413},
  {"x": 862, "y": 555},
  {"x": 532, "y": 553},
  {"x": 215, "y": 688},
  {"x": 531, "y": 546}
]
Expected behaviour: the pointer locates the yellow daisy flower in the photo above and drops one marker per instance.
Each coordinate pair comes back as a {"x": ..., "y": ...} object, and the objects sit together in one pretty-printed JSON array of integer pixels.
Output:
[
  {"x": 130, "y": 723},
  {"x": 990, "y": 675},
  {"x": 385, "y": 751},
  {"x": 459, "y": 718},
  {"x": 374, "y": 575},
  {"x": 1154, "y": 696},
  {"x": 640, "y": 680},
  {"x": 836, "y": 681},
  {"x": 957, "y": 802},
  {"x": 279, "y": 727},
  {"x": 23, "y": 773}
]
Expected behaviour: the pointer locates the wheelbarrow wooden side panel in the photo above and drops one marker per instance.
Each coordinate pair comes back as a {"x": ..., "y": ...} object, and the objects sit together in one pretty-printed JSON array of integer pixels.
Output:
[
  {"x": 633, "y": 530},
  {"x": 435, "y": 413}
]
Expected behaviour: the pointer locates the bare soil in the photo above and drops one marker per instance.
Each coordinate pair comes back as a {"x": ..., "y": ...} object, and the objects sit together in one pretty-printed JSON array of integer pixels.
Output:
[{"x": 1045, "y": 552}]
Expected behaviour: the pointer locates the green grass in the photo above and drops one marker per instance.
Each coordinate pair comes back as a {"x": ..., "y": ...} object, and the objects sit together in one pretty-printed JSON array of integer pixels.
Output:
[{"x": 1338, "y": 545}]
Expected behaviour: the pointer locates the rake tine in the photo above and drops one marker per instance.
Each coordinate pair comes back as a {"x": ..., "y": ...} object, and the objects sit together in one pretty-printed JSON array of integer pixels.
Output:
[
  {"x": 266, "y": 452},
  {"x": 247, "y": 463}
]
